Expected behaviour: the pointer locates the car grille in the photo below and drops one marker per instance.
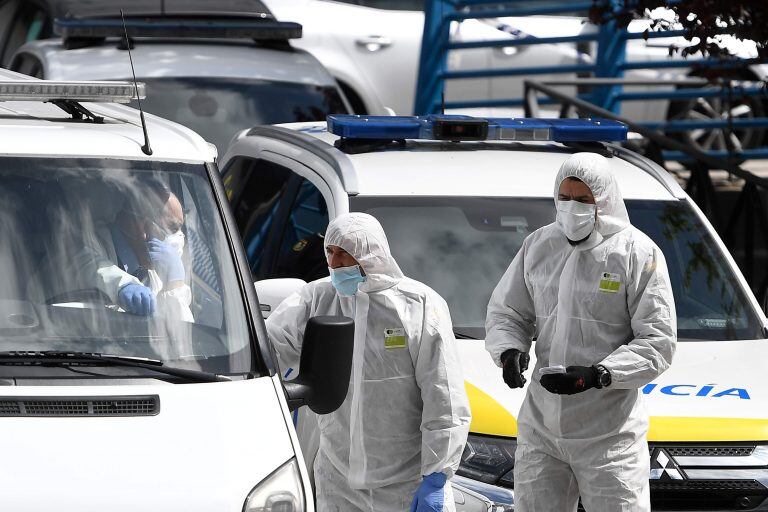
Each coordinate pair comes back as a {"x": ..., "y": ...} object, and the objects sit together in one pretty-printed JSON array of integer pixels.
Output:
[
  {"x": 710, "y": 451},
  {"x": 708, "y": 477},
  {"x": 80, "y": 406}
]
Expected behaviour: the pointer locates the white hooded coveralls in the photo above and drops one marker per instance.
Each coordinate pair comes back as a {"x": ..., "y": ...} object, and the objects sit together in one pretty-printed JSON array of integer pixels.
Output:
[
  {"x": 592, "y": 443},
  {"x": 406, "y": 413}
]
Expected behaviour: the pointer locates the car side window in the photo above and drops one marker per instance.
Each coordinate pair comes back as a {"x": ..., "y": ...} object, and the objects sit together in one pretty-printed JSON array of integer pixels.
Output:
[
  {"x": 390, "y": 5},
  {"x": 301, "y": 252},
  {"x": 27, "y": 64},
  {"x": 281, "y": 218},
  {"x": 21, "y": 22},
  {"x": 257, "y": 190}
]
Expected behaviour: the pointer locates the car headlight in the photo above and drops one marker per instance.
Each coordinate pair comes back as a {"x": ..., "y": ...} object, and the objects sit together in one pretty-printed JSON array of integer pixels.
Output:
[
  {"x": 282, "y": 491},
  {"x": 488, "y": 459}
]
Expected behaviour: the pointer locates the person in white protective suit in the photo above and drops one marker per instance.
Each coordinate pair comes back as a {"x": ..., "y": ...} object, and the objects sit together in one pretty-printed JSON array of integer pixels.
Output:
[
  {"x": 594, "y": 292},
  {"x": 397, "y": 439}
]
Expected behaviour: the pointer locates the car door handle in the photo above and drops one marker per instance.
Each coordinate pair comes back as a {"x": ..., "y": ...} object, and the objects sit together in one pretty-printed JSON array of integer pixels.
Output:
[{"x": 374, "y": 43}]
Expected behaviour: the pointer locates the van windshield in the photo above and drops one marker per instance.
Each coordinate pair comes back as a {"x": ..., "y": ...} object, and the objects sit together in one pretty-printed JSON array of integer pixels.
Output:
[
  {"x": 461, "y": 246},
  {"x": 218, "y": 108},
  {"x": 118, "y": 257}
]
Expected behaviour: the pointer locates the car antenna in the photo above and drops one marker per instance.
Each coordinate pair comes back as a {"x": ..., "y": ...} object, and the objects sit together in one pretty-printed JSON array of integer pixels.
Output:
[{"x": 146, "y": 149}]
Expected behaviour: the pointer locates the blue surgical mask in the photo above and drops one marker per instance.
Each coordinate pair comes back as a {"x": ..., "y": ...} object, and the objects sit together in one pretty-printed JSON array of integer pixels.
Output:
[{"x": 346, "y": 279}]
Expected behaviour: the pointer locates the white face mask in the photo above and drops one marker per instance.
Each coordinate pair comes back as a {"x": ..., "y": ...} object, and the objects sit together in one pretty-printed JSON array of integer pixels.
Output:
[
  {"x": 576, "y": 219},
  {"x": 176, "y": 240}
]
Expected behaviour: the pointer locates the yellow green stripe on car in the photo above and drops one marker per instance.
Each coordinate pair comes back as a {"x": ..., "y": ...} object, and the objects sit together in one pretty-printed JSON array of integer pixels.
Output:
[{"x": 491, "y": 418}]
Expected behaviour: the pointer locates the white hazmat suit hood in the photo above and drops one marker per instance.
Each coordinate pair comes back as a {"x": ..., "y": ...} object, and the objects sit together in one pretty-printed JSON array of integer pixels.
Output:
[
  {"x": 593, "y": 170},
  {"x": 406, "y": 413},
  {"x": 363, "y": 238},
  {"x": 607, "y": 301}
]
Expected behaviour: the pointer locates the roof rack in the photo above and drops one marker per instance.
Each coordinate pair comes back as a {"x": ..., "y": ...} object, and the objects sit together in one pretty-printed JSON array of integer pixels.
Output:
[{"x": 259, "y": 29}]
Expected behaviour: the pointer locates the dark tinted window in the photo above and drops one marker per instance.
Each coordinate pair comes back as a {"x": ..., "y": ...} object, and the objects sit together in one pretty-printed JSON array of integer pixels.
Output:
[
  {"x": 218, "y": 108},
  {"x": 281, "y": 218},
  {"x": 302, "y": 253},
  {"x": 256, "y": 189}
]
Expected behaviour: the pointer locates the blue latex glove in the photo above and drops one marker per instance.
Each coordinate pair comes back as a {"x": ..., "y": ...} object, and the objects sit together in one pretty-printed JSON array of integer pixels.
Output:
[
  {"x": 429, "y": 495},
  {"x": 166, "y": 261},
  {"x": 137, "y": 299}
]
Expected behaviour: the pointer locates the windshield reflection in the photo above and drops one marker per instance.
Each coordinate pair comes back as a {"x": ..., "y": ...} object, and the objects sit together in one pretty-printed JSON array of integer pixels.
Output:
[
  {"x": 218, "y": 108},
  {"x": 118, "y": 257},
  {"x": 462, "y": 246}
]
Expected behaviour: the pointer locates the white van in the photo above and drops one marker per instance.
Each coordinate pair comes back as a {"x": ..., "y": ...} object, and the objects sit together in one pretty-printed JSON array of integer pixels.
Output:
[
  {"x": 215, "y": 66},
  {"x": 105, "y": 407},
  {"x": 457, "y": 201}
]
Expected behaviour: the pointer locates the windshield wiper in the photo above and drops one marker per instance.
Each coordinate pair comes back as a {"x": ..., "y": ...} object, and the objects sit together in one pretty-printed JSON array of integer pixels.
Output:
[{"x": 65, "y": 358}]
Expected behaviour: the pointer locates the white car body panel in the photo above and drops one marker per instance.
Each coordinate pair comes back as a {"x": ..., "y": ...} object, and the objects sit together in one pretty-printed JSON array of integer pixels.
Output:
[{"x": 207, "y": 448}]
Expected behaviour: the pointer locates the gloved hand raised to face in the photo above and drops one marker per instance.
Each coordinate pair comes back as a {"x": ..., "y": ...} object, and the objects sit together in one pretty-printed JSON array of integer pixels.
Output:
[
  {"x": 514, "y": 364},
  {"x": 166, "y": 260},
  {"x": 137, "y": 299},
  {"x": 575, "y": 380},
  {"x": 430, "y": 494}
]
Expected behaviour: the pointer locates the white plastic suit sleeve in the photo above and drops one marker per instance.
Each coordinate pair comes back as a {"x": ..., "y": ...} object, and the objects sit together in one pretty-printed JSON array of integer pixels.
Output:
[
  {"x": 286, "y": 326},
  {"x": 654, "y": 323},
  {"x": 175, "y": 303},
  {"x": 511, "y": 318},
  {"x": 446, "y": 415}
]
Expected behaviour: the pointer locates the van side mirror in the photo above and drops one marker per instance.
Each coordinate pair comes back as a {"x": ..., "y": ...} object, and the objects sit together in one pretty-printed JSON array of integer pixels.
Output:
[
  {"x": 326, "y": 365},
  {"x": 272, "y": 292}
]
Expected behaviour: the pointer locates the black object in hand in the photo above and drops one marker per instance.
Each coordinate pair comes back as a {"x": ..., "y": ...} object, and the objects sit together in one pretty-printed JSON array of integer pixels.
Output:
[
  {"x": 514, "y": 363},
  {"x": 575, "y": 380}
]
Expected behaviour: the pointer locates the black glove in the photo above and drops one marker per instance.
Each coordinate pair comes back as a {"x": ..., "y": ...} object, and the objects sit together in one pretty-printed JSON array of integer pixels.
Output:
[
  {"x": 514, "y": 363},
  {"x": 575, "y": 380}
]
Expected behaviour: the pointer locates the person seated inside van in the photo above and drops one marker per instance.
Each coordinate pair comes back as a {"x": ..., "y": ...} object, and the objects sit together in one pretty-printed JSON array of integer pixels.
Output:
[{"x": 139, "y": 255}]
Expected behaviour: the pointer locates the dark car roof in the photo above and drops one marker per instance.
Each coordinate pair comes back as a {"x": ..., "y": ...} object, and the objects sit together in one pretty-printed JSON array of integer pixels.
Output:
[{"x": 111, "y": 8}]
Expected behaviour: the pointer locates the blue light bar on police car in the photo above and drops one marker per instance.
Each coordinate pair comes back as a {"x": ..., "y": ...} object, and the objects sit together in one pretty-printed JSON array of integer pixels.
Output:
[
  {"x": 51, "y": 90},
  {"x": 463, "y": 128},
  {"x": 97, "y": 28}
]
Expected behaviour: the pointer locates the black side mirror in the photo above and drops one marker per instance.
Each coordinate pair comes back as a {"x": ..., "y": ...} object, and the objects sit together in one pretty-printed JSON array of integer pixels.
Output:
[{"x": 326, "y": 364}]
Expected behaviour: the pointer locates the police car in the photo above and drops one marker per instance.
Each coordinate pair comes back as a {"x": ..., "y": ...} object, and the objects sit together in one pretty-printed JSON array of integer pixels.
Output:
[
  {"x": 214, "y": 66},
  {"x": 103, "y": 407},
  {"x": 457, "y": 196}
]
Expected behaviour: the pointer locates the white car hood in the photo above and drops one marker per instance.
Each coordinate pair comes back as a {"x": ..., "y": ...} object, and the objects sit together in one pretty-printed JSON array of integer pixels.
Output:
[
  {"x": 714, "y": 391},
  {"x": 207, "y": 448}
]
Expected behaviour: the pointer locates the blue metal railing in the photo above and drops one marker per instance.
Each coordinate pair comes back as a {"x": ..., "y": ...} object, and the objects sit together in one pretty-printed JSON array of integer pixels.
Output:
[{"x": 610, "y": 61}]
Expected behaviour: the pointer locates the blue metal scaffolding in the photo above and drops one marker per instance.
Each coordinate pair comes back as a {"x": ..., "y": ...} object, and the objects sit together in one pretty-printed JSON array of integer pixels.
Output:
[{"x": 610, "y": 61}]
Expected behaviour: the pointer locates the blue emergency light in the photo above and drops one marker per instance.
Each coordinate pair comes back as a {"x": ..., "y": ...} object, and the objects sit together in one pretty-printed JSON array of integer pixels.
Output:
[
  {"x": 466, "y": 128},
  {"x": 257, "y": 29}
]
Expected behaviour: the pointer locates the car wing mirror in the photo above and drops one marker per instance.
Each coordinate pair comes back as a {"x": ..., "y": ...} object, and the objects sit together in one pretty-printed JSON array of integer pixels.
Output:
[{"x": 326, "y": 365}]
